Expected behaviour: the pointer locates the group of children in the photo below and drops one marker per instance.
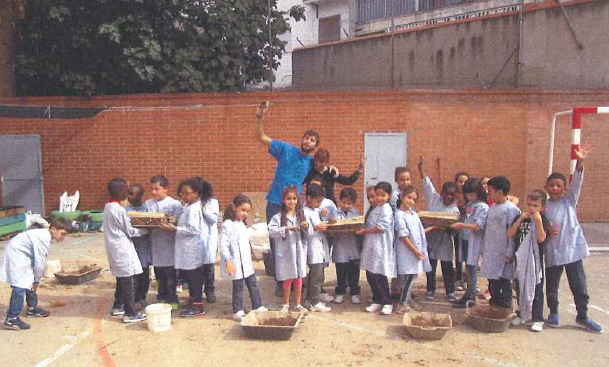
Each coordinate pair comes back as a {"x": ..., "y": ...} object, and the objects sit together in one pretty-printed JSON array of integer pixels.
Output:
[
  {"x": 510, "y": 245},
  {"x": 394, "y": 245},
  {"x": 184, "y": 251}
]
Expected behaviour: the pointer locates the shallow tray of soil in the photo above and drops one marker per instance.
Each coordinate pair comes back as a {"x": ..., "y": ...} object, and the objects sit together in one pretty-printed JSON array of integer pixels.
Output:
[
  {"x": 347, "y": 225},
  {"x": 271, "y": 325},
  {"x": 438, "y": 219},
  {"x": 82, "y": 275},
  {"x": 147, "y": 220}
]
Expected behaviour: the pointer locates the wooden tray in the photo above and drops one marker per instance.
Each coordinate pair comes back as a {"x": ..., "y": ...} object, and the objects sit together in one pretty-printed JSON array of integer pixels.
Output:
[
  {"x": 347, "y": 225},
  {"x": 271, "y": 325},
  {"x": 9, "y": 211},
  {"x": 147, "y": 220},
  {"x": 440, "y": 219}
]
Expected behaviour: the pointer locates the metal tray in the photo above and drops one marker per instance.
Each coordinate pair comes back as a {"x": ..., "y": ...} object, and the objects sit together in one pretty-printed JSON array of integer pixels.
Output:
[{"x": 65, "y": 278}]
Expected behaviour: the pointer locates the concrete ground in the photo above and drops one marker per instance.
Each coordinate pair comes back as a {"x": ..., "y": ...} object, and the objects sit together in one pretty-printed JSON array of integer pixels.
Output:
[{"x": 82, "y": 333}]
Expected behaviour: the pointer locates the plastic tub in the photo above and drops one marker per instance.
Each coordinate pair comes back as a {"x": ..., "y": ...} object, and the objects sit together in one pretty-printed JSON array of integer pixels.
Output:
[
  {"x": 67, "y": 215},
  {"x": 96, "y": 215},
  {"x": 158, "y": 317}
]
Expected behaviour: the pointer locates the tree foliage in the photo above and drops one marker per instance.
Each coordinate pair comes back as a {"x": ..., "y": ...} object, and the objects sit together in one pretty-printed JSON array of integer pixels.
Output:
[{"x": 71, "y": 47}]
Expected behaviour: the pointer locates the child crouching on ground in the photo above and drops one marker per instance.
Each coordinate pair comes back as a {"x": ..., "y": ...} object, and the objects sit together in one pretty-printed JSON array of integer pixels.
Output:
[
  {"x": 346, "y": 252},
  {"x": 567, "y": 246},
  {"x": 378, "y": 254},
  {"x": 530, "y": 234},
  {"x": 498, "y": 250},
  {"x": 122, "y": 257},
  {"x": 410, "y": 246},
  {"x": 318, "y": 252},
  {"x": 237, "y": 255},
  {"x": 286, "y": 229},
  {"x": 22, "y": 267}
]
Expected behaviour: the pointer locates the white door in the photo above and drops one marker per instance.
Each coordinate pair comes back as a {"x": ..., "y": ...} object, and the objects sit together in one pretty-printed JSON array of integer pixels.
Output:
[
  {"x": 384, "y": 152},
  {"x": 21, "y": 172}
]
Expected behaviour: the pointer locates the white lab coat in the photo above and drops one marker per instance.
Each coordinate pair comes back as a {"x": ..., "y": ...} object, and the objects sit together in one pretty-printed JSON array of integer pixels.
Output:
[
  {"x": 191, "y": 238},
  {"x": 235, "y": 246},
  {"x": 378, "y": 254},
  {"x": 118, "y": 231},
  {"x": 25, "y": 258}
]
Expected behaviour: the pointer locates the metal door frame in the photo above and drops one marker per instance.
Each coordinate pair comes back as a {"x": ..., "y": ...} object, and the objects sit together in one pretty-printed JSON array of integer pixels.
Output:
[
  {"x": 39, "y": 168},
  {"x": 366, "y": 173}
]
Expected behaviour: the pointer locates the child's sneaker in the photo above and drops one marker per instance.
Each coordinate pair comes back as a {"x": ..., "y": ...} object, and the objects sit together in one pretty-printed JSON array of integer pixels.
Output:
[
  {"x": 320, "y": 307},
  {"x": 537, "y": 326},
  {"x": 553, "y": 320},
  {"x": 117, "y": 311},
  {"x": 211, "y": 297},
  {"x": 590, "y": 325},
  {"x": 15, "y": 324},
  {"x": 137, "y": 318},
  {"x": 487, "y": 295},
  {"x": 339, "y": 298},
  {"x": 326, "y": 298},
  {"x": 387, "y": 310},
  {"x": 451, "y": 297},
  {"x": 355, "y": 300},
  {"x": 403, "y": 309},
  {"x": 430, "y": 296},
  {"x": 262, "y": 309},
  {"x": 300, "y": 308},
  {"x": 463, "y": 302},
  {"x": 37, "y": 312},
  {"x": 516, "y": 321},
  {"x": 239, "y": 315},
  {"x": 374, "y": 307},
  {"x": 192, "y": 312},
  {"x": 459, "y": 285},
  {"x": 179, "y": 288}
]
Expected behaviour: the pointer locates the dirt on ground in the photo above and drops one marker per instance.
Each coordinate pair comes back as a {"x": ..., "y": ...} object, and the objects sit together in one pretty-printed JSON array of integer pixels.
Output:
[{"x": 81, "y": 332}]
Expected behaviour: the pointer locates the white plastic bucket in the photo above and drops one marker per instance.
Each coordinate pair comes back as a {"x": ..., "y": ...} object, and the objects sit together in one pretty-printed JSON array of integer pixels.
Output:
[
  {"x": 158, "y": 317},
  {"x": 53, "y": 266}
]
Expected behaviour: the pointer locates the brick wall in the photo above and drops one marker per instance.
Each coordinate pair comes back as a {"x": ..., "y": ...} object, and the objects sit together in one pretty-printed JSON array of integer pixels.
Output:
[{"x": 494, "y": 132}]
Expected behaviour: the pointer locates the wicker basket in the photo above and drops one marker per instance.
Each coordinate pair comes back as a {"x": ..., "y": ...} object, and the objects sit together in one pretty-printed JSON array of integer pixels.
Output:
[
  {"x": 427, "y": 325},
  {"x": 147, "y": 220},
  {"x": 438, "y": 219},
  {"x": 347, "y": 225},
  {"x": 491, "y": 319}
]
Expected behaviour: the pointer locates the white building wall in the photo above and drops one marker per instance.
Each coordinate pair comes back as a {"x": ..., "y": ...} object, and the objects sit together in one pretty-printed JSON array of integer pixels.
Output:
[{"x": 305, "y": 32}]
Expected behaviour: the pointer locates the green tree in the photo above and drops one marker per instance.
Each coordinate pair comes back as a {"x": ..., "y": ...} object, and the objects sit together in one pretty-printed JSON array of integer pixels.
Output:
[{"x": 72, "y": 47}]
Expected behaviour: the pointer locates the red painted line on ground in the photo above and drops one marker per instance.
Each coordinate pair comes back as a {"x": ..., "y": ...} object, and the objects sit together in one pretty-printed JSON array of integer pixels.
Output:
[{"x": 102, "y": 351}]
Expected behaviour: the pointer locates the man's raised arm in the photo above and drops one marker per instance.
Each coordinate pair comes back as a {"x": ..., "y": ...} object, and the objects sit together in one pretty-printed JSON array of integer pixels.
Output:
[{"x": 260, "y": 135}]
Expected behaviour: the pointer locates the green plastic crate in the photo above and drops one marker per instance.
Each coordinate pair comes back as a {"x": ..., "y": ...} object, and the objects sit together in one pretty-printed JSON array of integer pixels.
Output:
[{"x": 15, "y": 227}]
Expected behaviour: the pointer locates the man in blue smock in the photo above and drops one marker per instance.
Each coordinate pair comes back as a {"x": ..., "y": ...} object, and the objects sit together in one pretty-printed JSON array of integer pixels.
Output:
[{"x": 293, "y": 165}]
